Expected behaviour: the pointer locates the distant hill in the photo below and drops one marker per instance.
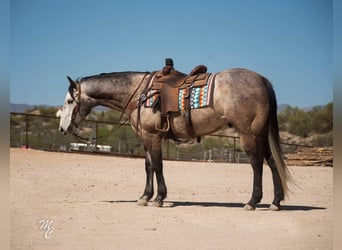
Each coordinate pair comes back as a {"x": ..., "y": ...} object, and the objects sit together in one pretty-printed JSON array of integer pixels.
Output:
[
  {"x": 282, "y": 107},
  {"x": 20, "y": 108}
]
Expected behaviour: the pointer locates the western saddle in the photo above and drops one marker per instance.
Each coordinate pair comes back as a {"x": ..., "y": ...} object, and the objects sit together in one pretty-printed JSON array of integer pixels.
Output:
[{"x": 167, "y": 83}]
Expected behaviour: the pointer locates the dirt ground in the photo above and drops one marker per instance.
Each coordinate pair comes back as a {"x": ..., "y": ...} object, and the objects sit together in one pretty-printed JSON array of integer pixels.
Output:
[{"x": 89, "y": 202}]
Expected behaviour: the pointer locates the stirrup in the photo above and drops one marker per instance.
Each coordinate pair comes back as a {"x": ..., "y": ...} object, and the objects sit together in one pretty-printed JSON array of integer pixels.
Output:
[{"x": 163, "y": 130}]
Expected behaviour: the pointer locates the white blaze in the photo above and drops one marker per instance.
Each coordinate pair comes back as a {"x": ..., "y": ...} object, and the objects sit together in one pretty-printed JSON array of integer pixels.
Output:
[{"x": 66, "y": 113}]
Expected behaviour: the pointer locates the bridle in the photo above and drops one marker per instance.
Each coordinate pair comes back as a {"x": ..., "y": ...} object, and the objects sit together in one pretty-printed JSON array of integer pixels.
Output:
[{"x": 129, "y": 106}]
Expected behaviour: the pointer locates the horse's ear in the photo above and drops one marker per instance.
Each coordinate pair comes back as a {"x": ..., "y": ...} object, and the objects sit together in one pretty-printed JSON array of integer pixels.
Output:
[{"x": 72, "y": 83}]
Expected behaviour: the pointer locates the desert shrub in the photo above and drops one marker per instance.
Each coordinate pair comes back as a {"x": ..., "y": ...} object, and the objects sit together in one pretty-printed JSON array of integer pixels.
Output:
[
  {"x": 300, "y": 122},
  {"x": 321, "y": 118}
]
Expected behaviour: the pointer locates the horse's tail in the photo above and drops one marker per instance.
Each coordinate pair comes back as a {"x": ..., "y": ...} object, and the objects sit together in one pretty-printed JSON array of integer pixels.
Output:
[{"x": 274, "y": 139}]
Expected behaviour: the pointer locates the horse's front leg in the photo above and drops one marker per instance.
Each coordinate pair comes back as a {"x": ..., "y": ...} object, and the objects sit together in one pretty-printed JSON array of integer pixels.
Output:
[
  {"x": 148, "y": 192},
  {"x": 153, "y": 164}
]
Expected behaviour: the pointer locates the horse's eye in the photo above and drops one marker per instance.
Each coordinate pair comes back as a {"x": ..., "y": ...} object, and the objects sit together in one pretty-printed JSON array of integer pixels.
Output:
[{"x": 70, "y": 101}]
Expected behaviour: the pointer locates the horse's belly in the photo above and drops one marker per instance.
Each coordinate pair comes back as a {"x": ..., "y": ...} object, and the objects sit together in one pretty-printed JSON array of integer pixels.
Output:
[{"x": 204, "y": 121}]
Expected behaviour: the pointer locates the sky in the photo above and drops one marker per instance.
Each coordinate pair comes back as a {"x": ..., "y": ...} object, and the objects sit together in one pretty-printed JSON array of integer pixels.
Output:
[{"x": 289, "y": 42}]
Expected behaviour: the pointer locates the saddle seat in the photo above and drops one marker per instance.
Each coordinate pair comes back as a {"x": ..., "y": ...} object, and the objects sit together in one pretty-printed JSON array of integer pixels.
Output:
[{"x": 172, "y": 81}]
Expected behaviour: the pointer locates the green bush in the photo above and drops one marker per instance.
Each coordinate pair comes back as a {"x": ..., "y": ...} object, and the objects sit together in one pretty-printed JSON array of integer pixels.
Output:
[
  {"x": 322, "y": 119},
  {"x": 300, "y": 122}
]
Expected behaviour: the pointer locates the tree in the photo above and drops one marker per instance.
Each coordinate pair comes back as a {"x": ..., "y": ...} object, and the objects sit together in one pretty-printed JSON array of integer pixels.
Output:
[
  {"x": 318, "y": 120},
  {"x": 295, "y": 121},
  {"x": 322, "y": 118}
]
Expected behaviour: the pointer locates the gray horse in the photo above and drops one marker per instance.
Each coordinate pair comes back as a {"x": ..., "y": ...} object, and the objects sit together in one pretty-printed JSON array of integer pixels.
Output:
[{"x": 241, "y": 99}]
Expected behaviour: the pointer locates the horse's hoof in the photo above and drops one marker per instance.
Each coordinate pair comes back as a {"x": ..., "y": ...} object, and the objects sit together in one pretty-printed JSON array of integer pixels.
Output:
[
  {"x": 157, "y": 203},
  {"x": 142, "y": 202},
  {"x": 274, "y": 207},
  {"x": 249, "y": 207}
]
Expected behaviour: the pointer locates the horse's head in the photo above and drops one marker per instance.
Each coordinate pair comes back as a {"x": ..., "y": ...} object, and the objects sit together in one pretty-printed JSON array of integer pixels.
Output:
[{"x": 74, "y": 108}]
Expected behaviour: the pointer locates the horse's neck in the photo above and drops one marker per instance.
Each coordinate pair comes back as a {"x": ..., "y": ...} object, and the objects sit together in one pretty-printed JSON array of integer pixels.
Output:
[{"x": 112, "y": 93}]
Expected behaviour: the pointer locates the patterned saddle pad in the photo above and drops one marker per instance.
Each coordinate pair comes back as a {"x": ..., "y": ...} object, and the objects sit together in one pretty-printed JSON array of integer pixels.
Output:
[{"x": 200, "y": 96}]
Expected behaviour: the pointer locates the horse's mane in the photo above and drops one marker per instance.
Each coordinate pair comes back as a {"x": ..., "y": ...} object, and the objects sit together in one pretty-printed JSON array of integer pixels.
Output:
[{"x": 108, "y": 75}]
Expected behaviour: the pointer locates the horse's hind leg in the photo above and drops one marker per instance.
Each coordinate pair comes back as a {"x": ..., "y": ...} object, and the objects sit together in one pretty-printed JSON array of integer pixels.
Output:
[
  {"x": 153, "y": 164},
  {"x": 277, "y": 185},
  {"x": 253, "y": 148}
]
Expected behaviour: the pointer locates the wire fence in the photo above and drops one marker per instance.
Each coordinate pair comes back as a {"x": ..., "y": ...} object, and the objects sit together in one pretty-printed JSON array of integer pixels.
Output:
[{"x": 41, "y": 132}]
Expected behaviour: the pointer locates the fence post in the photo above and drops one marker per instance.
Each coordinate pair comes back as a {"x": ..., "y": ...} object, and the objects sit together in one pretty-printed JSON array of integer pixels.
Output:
[
  {"x": 26, "y": 131},
  {"x": 96, "y": 131},
  {"x": 167, "y": 149},
  {"x": 177, "y": 151},
  {"x": 234, "y": 151},
  {"x": 210, "y": 155}
]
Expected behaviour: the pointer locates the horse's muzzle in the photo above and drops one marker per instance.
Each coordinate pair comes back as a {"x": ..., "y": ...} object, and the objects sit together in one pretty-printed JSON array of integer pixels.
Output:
[{"x": 62, "y": 130}]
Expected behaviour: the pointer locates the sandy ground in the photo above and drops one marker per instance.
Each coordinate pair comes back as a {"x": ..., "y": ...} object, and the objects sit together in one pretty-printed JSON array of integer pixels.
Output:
[{"x": 89, "y": 202}]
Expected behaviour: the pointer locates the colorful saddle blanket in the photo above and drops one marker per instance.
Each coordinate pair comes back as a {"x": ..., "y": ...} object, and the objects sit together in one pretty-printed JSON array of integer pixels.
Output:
[
  {"x": 196, "y": 95},
  {"x": 200, "y": 97}
]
